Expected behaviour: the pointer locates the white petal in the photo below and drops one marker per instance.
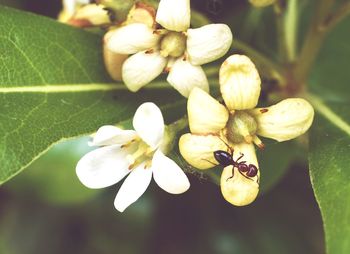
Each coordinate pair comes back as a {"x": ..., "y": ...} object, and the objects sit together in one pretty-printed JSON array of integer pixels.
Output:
[
  {"x": 133, "y": 187},
  {"x": 239, "y": 190},
  {"x": 174, "y": 15},
  {"x": 149, "y": 124},
  {"x": 103, "y": 167},
  {"x": 141, "y": 68},
  {"x": 184, "y": 77},
  {"x": 208, "y": 43},
  {"x": 240, "y": 83},
  {"x": 205, "y": 114},
  {"x": 168, "y": 175},
  {"x": 111, "y": 135},
  {"x": 286, "y": 120},
  {"x": 132, "y": 38},
  {"x": 198, "y": 150}
]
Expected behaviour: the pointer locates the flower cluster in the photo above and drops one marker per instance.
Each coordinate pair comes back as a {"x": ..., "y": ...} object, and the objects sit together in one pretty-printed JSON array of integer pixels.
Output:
[
  {"x": 174, "y": 47},
  {"x": 222, "y": 133}
]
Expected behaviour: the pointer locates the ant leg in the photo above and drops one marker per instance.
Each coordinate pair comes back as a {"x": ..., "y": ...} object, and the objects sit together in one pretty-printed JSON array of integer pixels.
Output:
[
  {"x": 228, "y": 146},
  {"x": 233, "y": 173},
  {"x": 240, "y": 157},
  {"x": 245, "y": 176},
  {"x": 210, "y": 162}
]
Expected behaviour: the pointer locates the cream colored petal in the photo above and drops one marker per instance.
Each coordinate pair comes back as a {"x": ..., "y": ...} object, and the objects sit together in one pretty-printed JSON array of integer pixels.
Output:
[
  {"x": 205, "y": 114},
  {"x": 238, "y": 190},
  {"x": 198, "y": 150},
  {"x": 261, "y": 3},
  {"x": 208, "y": 43},
  {"x": 184, "y": 77},
  {"x": 133, "y": 187},
  {"x": 240, "y": 83},
  {"x": 132, "y": 38},
  {"x": 140, "y": 69},
  {"x": 103, "y": 167},
  {"x": 148, "y": 122},
  {"x": 174, "y": 15},
  {"x": 286, "y": 120},
  {"x": 111, "y": 135},
  {"x": 168, "y": 175}
]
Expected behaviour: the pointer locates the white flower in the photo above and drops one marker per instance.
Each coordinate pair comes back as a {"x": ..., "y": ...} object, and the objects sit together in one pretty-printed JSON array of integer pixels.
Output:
[
  {"x": 132, "y": 151},
  {"x": 237, "y": 123},
  {"x": 175, "y": 48}
]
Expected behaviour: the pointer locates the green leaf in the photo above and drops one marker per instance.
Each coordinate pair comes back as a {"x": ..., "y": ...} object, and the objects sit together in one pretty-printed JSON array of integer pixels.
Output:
[
  {"x": 330, "y": 174},
  {"x": 53, "y": 86}
]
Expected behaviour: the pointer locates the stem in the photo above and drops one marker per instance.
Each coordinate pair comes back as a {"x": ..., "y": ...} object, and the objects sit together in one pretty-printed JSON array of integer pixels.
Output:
[
  {"x": 179, "y": 125},
  {"x": 290, "y": 28},
  {"x": 342, "y": 12},
  {"x": 275, "y": 70},
  {"x": 328, "y": 113},
  {"x": 214, "y": 177},
  {"x": 313, "y": 41},
  {"x": 281, "y": 33}
]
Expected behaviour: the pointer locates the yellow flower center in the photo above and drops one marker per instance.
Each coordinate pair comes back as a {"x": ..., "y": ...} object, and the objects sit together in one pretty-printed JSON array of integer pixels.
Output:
[
  {"x": 173, "y": 44},
  {"x": 139, "y": 152},
  {"x": 241, "y": 127}
]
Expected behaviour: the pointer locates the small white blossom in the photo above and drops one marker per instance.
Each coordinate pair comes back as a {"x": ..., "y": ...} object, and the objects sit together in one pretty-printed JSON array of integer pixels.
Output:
[
  {"x": 134, "y": 152},
  {"x": 175, "y": 48},
  {"x": 238, "y": 124}
]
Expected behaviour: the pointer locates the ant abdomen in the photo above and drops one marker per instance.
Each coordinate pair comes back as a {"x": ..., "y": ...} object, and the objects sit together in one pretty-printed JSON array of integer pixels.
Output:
[{"x": 252, "y": 170}]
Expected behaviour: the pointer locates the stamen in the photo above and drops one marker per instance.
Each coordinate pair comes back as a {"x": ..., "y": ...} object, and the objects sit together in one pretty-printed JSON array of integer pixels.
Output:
[
  {"x": 263, "y": 110},
  {"x": 258, "y": 142}
]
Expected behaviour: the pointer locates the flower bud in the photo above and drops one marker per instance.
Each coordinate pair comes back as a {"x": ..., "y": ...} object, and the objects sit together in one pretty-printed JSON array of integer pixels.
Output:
[
  {"x": 113, "y": 61},
  {"x": 239, "y": 83},
  {"x": 90, "y": 15},
  {"x": 286, "y": 120},
  {"x": 261, "y": 3},
  {"x": 142, "y": 13}
]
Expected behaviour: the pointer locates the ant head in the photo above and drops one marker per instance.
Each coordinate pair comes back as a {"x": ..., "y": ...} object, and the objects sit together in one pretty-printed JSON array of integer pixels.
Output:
[{"x": 223, "y": 158}]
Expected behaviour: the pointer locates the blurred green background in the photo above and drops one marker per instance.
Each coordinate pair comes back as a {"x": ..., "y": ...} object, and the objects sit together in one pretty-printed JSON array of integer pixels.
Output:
[{"x": 45, "y": 209}]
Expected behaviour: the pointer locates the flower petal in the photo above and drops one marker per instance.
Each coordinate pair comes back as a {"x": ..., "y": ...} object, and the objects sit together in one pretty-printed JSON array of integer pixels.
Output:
[
  {"x": 205, "y": 114},
  {"x": 132, "y": 38},
  {"x": 168, "y": 175},
  {"x": 133, "y": 187},
  {"x": 141, "y": 68},
  {"x": 286, "y": 120},
  {"x": 111, "y": 135},
  {"x": 174, "y": 15},
  {"x": 239, "y": 190},
  {"x": 103, "y": 167},
  {"x": 198, "y": 150},
  {"x": 92, "y": 14},
  {"x": 208, "y": 43},
  {"x": 149, "y": 124},
  {"x": 240, "y": 83},
  {"x": 184, "y": 77}
]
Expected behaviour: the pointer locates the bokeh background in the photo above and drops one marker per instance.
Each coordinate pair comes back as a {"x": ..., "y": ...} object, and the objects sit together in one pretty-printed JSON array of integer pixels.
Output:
[{"x": 45, "y": 209}]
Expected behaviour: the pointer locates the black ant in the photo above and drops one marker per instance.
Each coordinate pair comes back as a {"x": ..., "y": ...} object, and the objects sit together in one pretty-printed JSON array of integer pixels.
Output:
[{"x": 226, "y": 159}]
